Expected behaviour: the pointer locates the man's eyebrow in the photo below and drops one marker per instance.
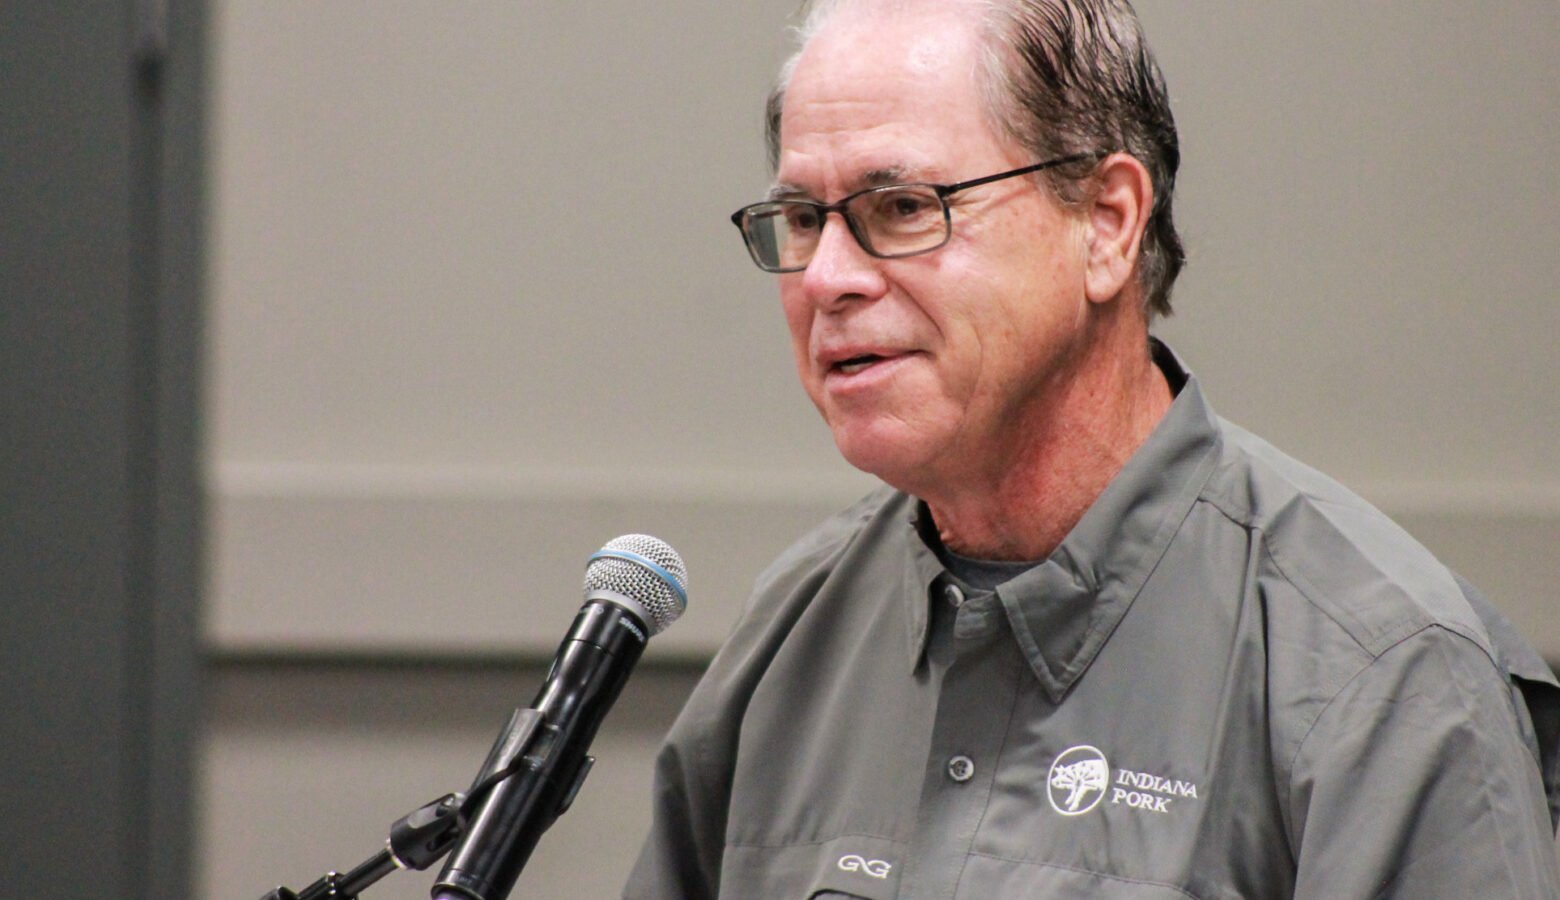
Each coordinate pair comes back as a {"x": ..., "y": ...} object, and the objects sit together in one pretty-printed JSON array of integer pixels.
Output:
[
  {"x": 786, "y": 192},
  {"x": 869, "y": 179},
  {"x": 883, "y": 177}
]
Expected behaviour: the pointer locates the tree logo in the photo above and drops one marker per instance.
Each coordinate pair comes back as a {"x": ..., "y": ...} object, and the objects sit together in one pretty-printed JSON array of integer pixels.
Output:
[{"x": 1077, "y": 780}]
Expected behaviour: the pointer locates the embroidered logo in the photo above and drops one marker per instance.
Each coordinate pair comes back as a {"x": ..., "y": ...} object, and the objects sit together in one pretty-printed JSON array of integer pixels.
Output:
[
  {"x": 1078, "y": 780},
  {"x": 876, "y": 868}
]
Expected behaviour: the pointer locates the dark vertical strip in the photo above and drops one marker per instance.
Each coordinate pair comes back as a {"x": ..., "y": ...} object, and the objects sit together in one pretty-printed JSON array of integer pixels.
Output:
[
  {"x": 173, "y": 32},
  {"x": 99, "y": 516},
  {"x": 64, "y": 382},
  {"x": 142, "y": 526}
]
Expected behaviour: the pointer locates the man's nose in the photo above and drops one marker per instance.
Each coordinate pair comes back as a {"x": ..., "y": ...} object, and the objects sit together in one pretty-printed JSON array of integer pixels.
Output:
[{"x": 840, "y": 269}]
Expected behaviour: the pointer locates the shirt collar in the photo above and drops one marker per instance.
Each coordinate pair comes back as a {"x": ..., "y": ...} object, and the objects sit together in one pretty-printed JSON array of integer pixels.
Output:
[
  {"x": 927, "y": 578},
  {"x": 1064, "y": 609}
]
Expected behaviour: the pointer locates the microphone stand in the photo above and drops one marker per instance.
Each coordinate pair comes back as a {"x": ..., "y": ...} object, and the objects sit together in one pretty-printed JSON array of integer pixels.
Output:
[
  {"x": 417, "y": 841},
  {"x": 424, "y": 836}
]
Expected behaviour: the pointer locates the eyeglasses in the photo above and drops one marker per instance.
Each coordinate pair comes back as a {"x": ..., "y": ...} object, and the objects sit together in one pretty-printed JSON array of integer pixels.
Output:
[{"x": 888, "y": 222}]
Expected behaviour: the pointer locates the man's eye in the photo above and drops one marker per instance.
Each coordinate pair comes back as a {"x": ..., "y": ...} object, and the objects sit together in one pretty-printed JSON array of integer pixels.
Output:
[
  {"x": 905, "y": 206},
  {"x": 802, "y": 218}
]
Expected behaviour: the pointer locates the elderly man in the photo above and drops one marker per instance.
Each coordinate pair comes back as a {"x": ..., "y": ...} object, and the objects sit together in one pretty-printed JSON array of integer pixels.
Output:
[{"x": 1089, "y": 640}]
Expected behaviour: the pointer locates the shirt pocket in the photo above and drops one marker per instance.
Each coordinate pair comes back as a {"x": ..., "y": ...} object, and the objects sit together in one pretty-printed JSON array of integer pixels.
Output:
[{"x": 850, "y": 866}]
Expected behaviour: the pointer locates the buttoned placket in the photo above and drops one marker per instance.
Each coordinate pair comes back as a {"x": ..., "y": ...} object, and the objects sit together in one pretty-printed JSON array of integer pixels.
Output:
[{"x": 977, "y": 666}]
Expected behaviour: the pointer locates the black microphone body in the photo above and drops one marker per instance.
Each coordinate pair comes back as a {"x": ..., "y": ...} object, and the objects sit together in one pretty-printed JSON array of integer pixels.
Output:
[
  {"x": 587, "y": 675},
  {"x": 544, "y": 747}
]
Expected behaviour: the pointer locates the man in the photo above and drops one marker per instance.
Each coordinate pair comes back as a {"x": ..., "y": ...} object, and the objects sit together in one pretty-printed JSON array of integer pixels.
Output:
[{"x": 1090, "y": 640}]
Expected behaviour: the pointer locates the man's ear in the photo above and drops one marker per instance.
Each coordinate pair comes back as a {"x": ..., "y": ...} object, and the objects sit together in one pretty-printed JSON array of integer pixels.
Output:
[{"x": 1117, "y": 215}]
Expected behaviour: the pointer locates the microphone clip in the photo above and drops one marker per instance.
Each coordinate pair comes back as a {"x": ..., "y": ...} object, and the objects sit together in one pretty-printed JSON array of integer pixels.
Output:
[
  {"x": 511, "y": 752},
  {"x": 417, "y": 840}
]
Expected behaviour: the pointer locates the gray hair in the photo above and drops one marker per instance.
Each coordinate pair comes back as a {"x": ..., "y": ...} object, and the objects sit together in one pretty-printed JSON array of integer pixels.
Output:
[{"x": 1065, "y": 77}]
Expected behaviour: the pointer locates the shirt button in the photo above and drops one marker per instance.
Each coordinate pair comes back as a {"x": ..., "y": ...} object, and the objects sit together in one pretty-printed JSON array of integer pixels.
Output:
[
  {"x": 954, "y": 595},
  {"x": 961, "y": 768}
]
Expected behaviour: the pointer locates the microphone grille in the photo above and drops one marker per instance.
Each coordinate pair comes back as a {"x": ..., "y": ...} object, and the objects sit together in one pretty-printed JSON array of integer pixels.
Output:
[{"x": 645, "y": 569}]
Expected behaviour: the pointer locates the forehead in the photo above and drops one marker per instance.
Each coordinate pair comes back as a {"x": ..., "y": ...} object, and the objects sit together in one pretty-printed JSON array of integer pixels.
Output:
[{"x": 877, "y": 91}]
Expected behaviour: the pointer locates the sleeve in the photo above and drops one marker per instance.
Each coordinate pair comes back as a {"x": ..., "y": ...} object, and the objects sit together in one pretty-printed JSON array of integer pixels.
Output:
[
  {"x": 1535, "y": 695},
  {"x": 1416, "y": 781}
]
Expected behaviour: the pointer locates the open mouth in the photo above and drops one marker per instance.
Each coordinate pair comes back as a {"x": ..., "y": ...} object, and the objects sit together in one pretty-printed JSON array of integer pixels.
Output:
[{"x": 857, "y": 363}]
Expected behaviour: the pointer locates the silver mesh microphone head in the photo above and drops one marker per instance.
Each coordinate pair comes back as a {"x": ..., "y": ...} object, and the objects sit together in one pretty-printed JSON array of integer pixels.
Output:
[{"x": 643, "y": 570}]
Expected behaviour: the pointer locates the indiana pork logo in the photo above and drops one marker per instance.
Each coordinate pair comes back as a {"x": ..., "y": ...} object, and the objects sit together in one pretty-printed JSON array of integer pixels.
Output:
[{"x": 1078, "y": 780}]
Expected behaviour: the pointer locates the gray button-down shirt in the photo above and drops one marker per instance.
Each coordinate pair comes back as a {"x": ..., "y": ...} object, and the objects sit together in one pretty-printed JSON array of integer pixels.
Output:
[{"x": 1233, "y": 679}]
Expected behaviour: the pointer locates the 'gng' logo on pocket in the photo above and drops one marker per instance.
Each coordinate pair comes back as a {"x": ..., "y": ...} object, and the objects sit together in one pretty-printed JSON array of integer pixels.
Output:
[{"x": 876, "y": 868}]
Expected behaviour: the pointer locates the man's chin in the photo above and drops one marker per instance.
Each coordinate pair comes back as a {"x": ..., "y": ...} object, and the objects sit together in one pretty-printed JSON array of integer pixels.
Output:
[{"x": 887, "y": 453}]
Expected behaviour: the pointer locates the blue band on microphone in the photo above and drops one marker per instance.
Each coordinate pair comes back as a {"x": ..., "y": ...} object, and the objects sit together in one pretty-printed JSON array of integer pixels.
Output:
[{"x": 666, "y": 576}]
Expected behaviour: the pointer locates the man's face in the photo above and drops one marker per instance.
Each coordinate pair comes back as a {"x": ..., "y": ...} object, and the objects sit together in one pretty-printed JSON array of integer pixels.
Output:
[{"x": 925, "y": 368}]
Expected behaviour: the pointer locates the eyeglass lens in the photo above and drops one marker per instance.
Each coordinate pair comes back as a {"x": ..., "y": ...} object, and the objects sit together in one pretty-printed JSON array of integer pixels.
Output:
[{"x": 899, "y": 220}]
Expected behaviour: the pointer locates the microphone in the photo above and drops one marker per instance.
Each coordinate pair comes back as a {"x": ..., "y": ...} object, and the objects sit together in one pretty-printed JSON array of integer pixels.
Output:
[{"x": 635, "y": 587}]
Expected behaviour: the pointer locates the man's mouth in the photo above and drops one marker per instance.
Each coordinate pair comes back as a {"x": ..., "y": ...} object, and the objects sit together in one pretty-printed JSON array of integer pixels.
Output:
[{"x": 857, "y": 363}]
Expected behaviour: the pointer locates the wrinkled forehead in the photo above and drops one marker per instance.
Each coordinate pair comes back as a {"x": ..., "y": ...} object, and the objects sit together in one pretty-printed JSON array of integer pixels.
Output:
[
  {"x": 924, "y": 54},
  {"x": 870, "y": 92}
]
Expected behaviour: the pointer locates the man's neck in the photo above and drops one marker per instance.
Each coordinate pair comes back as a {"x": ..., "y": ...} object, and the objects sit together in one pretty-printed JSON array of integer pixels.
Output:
[{"x": 1060, "y": 460}]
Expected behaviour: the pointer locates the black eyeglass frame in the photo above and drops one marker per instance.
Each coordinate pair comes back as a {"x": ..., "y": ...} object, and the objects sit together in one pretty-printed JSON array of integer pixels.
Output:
[{"x": 859, "y": 232}]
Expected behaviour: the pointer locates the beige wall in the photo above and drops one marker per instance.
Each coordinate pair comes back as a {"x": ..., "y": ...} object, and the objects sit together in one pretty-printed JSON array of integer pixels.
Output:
[{"x": 477, "y": 309}]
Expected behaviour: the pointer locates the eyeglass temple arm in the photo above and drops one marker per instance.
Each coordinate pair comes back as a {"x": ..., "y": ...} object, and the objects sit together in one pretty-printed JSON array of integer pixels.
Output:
[{"x": 1061, "y": 161}]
